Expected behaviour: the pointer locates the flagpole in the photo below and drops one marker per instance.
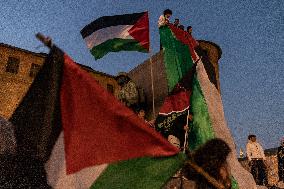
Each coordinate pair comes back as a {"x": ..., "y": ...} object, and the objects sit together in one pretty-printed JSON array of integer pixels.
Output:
[
  {"x": 45, "y": 40},
  {"x": 186, "y": 132},
  {"x": 152, "y": 83}
]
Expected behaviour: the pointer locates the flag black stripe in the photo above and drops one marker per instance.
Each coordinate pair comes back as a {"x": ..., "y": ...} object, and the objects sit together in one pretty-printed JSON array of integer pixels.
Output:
[
  {"x": 107, "y": 21},
  {"x": 37, "y": 119}
]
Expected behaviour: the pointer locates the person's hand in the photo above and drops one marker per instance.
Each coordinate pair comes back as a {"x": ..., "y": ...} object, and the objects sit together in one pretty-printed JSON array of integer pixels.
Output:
[
  {"x": 186, "y": 128},
  {"x": 152, "y": 122},
  {"x": 190, "y": 117}
]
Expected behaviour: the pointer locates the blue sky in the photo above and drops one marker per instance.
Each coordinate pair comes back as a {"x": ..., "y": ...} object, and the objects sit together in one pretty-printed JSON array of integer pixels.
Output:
[{"x": 250, "y": 33}]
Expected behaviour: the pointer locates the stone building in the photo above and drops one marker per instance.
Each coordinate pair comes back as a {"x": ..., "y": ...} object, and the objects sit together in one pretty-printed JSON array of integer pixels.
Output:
[
  {"x": 18, "y": 68},
  {"x": 142, "y": 74}
]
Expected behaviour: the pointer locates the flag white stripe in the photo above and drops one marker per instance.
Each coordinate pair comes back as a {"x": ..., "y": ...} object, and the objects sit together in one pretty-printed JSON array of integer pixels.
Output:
[
  {"x": 102, "y": 35},
  {"x": 56, "y": 170},
  {"x": 220, "y": 127}
]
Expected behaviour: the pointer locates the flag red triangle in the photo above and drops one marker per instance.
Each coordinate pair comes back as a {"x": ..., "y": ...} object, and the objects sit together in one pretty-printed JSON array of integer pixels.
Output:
[
  {"x": 140, "y": 31},
  {"x": 98, "y": 128},
  {"x": 186, "y": 39}
]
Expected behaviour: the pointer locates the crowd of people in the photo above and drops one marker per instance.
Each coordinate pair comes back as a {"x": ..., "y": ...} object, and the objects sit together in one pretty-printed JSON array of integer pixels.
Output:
[{"x": 164, "y": 20}]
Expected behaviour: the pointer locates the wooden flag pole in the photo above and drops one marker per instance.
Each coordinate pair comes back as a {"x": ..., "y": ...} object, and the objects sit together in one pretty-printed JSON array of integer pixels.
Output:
[
  {"x": 186, "y": 132},
  {"x": 152, "y": 83},
  {"x": 45, "y": 40}
]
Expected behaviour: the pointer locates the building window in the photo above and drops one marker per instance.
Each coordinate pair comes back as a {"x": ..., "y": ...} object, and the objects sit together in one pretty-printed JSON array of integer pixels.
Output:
[
  {"x": 13, "y": 65},
  {"x": 34, "y": 69},
  {"x": 110, "y": 88}
]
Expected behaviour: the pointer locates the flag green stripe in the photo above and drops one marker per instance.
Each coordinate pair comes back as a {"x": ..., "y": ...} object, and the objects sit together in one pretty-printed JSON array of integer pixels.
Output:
[
  {"x": 116, "y": 45},
  {"x": 150, "y": 173},
  {"x": 201, "y": 128},
  {"x": 177, "y": 57}
]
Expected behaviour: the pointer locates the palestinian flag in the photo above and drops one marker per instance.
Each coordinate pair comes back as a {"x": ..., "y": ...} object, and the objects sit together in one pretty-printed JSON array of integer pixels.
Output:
[
  {"x": 174, "y": 111},
  {"x": 128, "y": 32},
  {"x": 178, "y": 61},
  {"x": 82, "y": 137},
  {"x": 205, "y": 101}
]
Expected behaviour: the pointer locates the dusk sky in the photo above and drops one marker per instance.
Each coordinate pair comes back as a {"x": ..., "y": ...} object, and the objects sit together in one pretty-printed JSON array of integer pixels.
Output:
[{"x": 250, "y": 34}]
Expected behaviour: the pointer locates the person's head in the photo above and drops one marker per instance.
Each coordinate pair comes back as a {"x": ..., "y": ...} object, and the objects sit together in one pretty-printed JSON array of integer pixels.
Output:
[
  {"x": 168, "y": 13},
  {"x": 122, "y": 78},
  {"x": 176, "y": 22},
  {"x": 252, "y": 138},
  {"x": 189, "y": 29},
  {"x": 212, "y": 158},
  {"x": 181, "y": 27},
  {"x": 141, "y": 113}
]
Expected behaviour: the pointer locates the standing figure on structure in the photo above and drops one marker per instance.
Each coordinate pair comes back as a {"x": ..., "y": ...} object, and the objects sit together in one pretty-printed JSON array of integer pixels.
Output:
[
  {"x": 256, "y": 159},
  {"x": 189, "y": 30},
  {"x": 176, "y": 22},
  {"x": 164, "y": 19}
]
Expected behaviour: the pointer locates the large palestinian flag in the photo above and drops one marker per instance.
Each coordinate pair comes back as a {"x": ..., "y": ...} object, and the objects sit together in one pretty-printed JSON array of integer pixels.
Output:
[
  {"x": 128, "y": 32},
  {"x": 82, "y": 137},
  {"x": 205, "y": 101},
  {"x": 178, "y": 61}
]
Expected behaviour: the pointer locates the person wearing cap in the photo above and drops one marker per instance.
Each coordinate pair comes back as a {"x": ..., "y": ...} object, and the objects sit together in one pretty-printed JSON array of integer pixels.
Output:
[
  {"x": 128, "y": 93},
  {"x": 280, "y": 157},
  {"x": 257, "y": 160}
]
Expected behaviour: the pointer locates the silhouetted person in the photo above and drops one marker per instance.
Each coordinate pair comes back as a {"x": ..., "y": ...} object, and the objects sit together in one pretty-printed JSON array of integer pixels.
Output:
[
  {"x": 189, "y": 30},
  {"x": 176, "y": 22},
  {"x": 211, "y": 158},
  {"x": 181, "y": 27}
]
